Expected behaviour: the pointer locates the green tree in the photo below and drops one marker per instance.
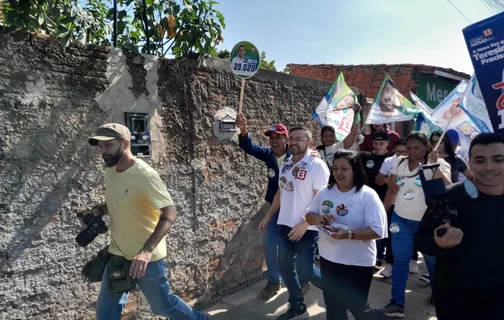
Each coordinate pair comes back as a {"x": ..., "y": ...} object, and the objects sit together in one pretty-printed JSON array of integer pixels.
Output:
[
  {"x": 179, "y": 27},
  {"x": 265, "y": 64}
]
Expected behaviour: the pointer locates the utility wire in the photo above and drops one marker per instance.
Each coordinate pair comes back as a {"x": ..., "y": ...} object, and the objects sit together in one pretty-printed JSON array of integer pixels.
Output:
[{"x": 459, "y": 11}]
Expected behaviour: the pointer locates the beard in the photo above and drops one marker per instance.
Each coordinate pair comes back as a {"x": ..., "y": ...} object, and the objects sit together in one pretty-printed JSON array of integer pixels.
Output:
[
  {"x": 296, "y": 151},
  {"x": 113, "y": 159}
]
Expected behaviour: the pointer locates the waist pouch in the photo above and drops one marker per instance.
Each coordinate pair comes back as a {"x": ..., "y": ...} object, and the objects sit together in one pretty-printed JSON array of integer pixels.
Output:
[
  {"x": 94, "y": 268},
  {"x": 118, "y": 275}
]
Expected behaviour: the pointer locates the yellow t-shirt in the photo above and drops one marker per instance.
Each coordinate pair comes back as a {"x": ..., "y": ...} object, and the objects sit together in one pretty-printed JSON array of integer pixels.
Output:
[
  {"x": 134, "y": 198},
  {"x": 280, "y": 160}
]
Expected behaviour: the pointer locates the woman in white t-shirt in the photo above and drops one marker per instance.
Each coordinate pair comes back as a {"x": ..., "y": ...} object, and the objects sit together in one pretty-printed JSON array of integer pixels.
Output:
[
  {"x": 406, "y": 194},
  {"x": 354, "y": 216}
]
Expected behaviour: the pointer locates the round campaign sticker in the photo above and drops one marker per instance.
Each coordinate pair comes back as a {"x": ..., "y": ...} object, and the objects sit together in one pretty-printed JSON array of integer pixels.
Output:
[
  {"x": 418, "y": 182},
  {"x": 289, "y": 186},
  {"x": 282, "y": 182},
  {"x": 370, "y": 164},
  {"x": 342, "y": 210},
  {"x": 394, "y": 228},
  {"x": 327, "y": 206},
  {"x": 409, "y": 194},
  {"x": 245, "y": 59},
  {"x": 400, "y": 181},
  {"x": 271, "y": 173}
]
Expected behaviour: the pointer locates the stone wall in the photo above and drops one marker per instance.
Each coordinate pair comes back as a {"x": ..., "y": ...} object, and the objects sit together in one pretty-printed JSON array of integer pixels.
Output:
[{"x": 51, "y": 100}]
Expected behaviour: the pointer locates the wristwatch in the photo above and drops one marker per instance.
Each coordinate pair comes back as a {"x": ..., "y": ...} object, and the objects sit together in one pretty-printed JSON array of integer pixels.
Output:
[{"x": 351, "y": 235}]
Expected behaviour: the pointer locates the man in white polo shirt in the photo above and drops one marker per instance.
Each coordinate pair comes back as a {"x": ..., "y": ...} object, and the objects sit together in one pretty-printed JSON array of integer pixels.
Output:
[{"x": 301, "y": 177}]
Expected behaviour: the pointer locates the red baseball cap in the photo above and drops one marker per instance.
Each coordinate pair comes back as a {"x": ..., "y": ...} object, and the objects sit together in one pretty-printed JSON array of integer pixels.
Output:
[{"x": 277, "y": 128}]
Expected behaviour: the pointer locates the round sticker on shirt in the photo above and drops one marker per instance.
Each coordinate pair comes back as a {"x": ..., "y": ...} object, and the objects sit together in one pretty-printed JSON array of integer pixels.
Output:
[
  {"x": 271, "y": 173},
  {"x": 286, "y": 168},
  {"x": 327, "y": 206},
  {"x": 370, "y": 164},
  {"x": 409, "y": 194},
  {"x": 342, "y": 210},
  {"x": 394, "y": 228},
  {"x": 418, "y": 182},
  {"x": 295, "y": 171},
  {"x": 400, "y": 181},
  {"x": 303, "y": 165},
  {"x": 282, "y": 182},
  {"x": 289, "y": 186}
]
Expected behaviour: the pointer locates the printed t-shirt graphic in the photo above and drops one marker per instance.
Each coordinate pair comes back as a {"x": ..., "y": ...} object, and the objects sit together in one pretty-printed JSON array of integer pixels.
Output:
[
  {"x": 297, "y": 182},
  {"x": 410, "y": 201},
  {"x": 357, "y": 210}
]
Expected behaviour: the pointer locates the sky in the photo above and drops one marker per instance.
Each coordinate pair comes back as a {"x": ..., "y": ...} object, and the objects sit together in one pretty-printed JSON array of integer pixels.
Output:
[{"x": 354, "y": 31}]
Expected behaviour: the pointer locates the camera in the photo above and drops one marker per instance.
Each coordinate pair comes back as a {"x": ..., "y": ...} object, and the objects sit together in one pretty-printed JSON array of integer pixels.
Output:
[
  {"x": 441, "y": 200},
  {"x": 94, "y": 226}
]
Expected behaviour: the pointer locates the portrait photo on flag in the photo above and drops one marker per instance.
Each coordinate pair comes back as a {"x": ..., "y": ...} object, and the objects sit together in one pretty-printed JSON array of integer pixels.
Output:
[
  {"x": 390, "y": 105},
  {"x": 336, "y": 108}
]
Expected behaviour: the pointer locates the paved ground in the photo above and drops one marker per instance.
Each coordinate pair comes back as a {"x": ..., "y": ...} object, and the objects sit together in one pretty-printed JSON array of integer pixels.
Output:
[{"x": 246, "y": 304}]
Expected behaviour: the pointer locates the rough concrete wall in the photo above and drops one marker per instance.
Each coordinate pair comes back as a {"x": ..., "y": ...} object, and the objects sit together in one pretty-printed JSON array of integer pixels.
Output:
[{"x": 51, "y": 101}]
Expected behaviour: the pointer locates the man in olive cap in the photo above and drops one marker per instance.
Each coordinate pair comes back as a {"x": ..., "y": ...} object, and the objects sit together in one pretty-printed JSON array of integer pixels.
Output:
[{"x": 141, "y": 213}]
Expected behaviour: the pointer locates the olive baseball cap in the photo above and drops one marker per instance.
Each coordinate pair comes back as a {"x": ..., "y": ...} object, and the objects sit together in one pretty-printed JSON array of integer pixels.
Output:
[{"x": 110, "y": 131}]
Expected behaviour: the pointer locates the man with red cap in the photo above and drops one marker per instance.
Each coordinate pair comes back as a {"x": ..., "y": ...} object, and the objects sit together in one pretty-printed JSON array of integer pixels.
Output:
[{"x": 272, "y": 157}]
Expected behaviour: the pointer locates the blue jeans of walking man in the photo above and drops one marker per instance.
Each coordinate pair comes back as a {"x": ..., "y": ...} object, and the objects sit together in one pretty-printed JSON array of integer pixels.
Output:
[
  {"x": 298, "y": 257},
  {"x": 156, "y": 288},
  {"x": 271, "y": 241},
  {"x": 402, "y": 249}
]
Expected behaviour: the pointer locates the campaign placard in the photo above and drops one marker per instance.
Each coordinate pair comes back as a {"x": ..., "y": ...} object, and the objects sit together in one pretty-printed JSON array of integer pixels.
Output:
[{"x": 485, "y": 43}]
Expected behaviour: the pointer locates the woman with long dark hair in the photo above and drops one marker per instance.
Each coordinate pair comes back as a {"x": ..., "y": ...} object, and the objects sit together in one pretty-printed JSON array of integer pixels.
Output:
[
  {"x": 406, "y": 194},
  {"x": 354, "y": 217},
  {"x": 445, "y": 149}
]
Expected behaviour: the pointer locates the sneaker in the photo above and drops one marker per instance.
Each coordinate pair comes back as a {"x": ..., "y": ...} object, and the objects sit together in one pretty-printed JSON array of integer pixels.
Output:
[
  {"x": 305, "y": 286},
  {"x": 387, "y": 272},
  {"x": 425, "y": 278},
  {"x": 379, "y": 264},
  {"x": 270, "y": 290},
  {"x": 413, "y": 267},
  {"x": 394, "y": 310},
  {"x": 293, "y": 314}
]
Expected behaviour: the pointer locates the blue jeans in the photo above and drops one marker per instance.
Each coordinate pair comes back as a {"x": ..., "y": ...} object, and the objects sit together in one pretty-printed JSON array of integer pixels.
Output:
[
  {"x": 155, "y": 286},
  {"x": 271, "y": 242},
  {"x": 298, "y": 256},
  {"x": 402, "y": 249}
]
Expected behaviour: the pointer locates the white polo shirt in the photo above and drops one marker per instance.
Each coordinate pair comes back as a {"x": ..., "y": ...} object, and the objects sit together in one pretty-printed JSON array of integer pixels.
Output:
[
  {"x": 356, "y": 210},
  {"x": 297, "y": 183}
]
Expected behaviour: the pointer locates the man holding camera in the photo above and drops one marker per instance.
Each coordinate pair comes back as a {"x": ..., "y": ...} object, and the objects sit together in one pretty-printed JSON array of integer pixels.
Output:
[
  {"x": 141, "y": 213},
  {"x": 469, "y": 250}
]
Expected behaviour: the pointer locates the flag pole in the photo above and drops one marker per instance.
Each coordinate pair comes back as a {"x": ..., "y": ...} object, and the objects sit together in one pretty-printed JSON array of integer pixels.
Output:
[{"x": 444, "y": 132}]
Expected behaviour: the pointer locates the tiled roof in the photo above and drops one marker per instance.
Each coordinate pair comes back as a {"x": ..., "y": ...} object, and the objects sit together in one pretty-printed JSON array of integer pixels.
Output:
[{"x": 422, "y": 67}]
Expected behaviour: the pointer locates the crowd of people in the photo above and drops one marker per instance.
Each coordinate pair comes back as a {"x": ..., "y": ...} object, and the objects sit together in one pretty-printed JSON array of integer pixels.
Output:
[
  {"x": 359, "y": 203},
  {"x": 367, "y": 191}
]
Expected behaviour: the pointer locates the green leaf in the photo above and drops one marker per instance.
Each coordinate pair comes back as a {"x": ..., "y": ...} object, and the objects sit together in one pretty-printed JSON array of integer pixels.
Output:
[{"x": 121, "y": 25}]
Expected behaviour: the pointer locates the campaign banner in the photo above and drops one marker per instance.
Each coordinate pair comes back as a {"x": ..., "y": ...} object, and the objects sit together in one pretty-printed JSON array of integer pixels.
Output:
[
  {"x": 424, "y": 122},
  {"x": 420, "y": 104},
  {"x": 449, "y": 108},
  {"x": 336, "y": 108},
  {"x": 390, "y": 105},
  {"x": 485, "y": 43},
  {"x": 474, "y": 105}
]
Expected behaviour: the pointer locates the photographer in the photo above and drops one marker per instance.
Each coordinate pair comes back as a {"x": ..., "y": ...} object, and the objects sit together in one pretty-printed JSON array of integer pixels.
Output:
[
  {"x": 141, "y": 213},
  {"x": 469, "y": 257}
]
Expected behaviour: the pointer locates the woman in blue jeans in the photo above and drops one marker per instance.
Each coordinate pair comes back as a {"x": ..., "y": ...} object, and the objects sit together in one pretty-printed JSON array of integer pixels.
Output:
[{"x": 406, "y": 190}]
